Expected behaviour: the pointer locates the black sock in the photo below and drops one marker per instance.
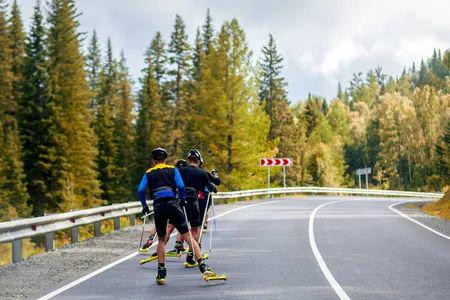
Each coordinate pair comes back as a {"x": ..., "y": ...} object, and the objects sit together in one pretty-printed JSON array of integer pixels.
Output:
[{"x": 161, "y": 265}]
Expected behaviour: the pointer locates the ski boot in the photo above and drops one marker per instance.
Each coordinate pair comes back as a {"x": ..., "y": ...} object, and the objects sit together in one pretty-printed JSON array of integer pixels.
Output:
[
  {"x": 208, "y": 273},
  {"x": 151, "y": 258},
  {"x": 177, "y": 250},
  {"x": 161, "y": 277},
  {"x": 146, "y": 247},
  {"x": 190, "y": 262}
]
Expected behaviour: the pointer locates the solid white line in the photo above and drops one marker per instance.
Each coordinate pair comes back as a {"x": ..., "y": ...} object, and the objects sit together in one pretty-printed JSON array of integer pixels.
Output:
[
  {"x": 391, "y": 207},
  {"x": 323, "y": 266},
  {"x": 131, "y": 255}
]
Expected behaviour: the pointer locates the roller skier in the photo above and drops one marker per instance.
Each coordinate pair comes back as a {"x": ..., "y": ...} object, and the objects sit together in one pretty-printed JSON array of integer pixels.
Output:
[
  {"x": 164, "y": 182},
  {"x": 144, "y": 249}
]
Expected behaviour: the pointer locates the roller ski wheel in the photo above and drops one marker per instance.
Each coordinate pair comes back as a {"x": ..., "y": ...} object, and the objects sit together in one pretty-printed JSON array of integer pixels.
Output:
[
  {"x": 160, "y": 281},
  {"x": 148, "y": 259},
  {"x": 212, "y": 276},
  {"x": 190, "y": 264}
]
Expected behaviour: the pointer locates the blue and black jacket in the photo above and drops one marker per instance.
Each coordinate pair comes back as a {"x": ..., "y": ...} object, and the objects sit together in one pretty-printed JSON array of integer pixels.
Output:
[{"x": 162, "y": 181}]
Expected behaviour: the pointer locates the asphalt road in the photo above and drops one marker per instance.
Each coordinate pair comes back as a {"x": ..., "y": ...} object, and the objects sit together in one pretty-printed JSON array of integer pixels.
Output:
[{"x": 370, "y": 252}]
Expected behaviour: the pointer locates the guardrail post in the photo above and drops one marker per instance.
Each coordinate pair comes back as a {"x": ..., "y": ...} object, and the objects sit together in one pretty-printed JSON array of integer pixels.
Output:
[
  {"x": 98, "y": 228},
  {"x": 75, "y": 234},
  {"x": 49, "y": 244},
  {"x": 117, "y": 223},
  {"x": 17, "y": 250},
  {"x": 132, "y": 220}
]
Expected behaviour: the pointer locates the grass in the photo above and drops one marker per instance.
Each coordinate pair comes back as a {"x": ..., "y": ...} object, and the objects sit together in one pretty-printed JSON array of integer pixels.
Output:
[{"x": 440, "y": 208}]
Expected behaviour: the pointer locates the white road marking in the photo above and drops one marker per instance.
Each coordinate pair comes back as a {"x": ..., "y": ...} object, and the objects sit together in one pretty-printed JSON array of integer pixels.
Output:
[
  {"x": 131, "y": 255},
  {"x": 323, "y": 266},
  {"x": 391, "y": 207}
]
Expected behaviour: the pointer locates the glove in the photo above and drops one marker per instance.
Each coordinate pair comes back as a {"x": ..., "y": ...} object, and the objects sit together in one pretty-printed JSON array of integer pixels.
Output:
[
  {"x": 145, "y": 210},
  {"x": 215, "y": 173},
  {"x": 213, "y": 188},
  {"x": 182, "y": 202}
]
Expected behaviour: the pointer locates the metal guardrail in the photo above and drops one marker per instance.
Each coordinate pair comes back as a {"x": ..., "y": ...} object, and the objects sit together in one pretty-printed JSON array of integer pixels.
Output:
[{"x": 15, "y": 231}]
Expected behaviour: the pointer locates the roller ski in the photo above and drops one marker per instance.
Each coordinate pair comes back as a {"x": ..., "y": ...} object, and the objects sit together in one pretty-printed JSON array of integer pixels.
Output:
[
  {"x": 146, "y": 247},
  {"x": 151, "y": 258},
  {"x": 161, "y": 277},
  {"x": 173, "y": 253},
  {"x": 190, "y": 262},
  {"x": 209, "y": 274},
  {"x": 177, "y": 250}
]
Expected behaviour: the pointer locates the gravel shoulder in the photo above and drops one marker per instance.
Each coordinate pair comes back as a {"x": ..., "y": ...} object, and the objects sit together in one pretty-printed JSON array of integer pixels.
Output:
[
  {"x": 42, "y": 272},
  {"x": 413, "y": 210}
]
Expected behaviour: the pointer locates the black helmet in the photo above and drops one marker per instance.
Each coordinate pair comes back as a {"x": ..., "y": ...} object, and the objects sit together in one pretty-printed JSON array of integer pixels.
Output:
[
  {"x": 194, "y": 153},
  {"x": 159, "y": 154},
  {"x": 181, "y": 163}
]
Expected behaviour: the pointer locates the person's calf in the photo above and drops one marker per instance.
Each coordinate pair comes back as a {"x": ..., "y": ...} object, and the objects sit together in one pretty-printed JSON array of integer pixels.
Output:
[{"x": 161, "y": 250}]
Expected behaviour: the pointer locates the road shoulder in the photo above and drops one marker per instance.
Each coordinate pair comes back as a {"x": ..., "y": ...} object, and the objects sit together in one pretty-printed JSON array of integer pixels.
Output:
[{"x": 413, "y": 210}]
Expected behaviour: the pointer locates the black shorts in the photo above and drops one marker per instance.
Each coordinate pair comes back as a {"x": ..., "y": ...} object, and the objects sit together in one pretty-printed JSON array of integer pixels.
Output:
[
  {"x": 168, "y": 209},
  {"x": 193, "y": 212},
  {"x": 202, "y": 206}
]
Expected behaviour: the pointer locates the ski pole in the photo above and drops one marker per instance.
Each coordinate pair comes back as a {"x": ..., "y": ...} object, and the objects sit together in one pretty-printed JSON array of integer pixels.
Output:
[
  {"x": 204, "y": 218},
  {"x": 142, "y": 232},
  {"x": 144, "y": 217},
  {"x": 189, "y": 229},
  {"x": 214, "y": 220}
]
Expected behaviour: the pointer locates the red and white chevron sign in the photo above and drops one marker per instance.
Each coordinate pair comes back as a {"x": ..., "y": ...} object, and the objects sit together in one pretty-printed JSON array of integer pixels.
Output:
[{"x": 276, "y": 162}]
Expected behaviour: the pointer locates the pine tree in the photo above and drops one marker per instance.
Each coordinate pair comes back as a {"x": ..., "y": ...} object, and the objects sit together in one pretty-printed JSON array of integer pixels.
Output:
[
  {"x": 149, "y": 124},
  {"x": 179, "y": 59},
  {"x": 13, "y": 194},
  {"x": 271, "y": 80},
  {"x": 105, "y": 126},
  {"x": 18, "y": 49},
  {"x": 233, "y": 55},
  {"x": 35, "y": 120},
  {"x": 93, "y": 69},
  {"x": 123, "y": 133},
  {"x": 312, "y": 113},
  {"x": 207, "y": 33},
  {"x": 340, "y": 93},
  {"x": 157, "y": 54},
  {"x": 423, "y": 74},
  {"x": 198, "y": 56},
  {"x": 442, "y": 165},
  {"x": 272, "y": 92},
  {"x": 74, "y": 172}
]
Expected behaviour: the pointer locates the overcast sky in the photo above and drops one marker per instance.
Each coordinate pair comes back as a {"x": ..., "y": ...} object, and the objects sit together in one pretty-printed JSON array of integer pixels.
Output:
[{"x": 322, "y": 41}]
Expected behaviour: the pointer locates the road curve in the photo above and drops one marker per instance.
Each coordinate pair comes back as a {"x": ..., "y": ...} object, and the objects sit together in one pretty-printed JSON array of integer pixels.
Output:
[{"x": 371, "y": 252}]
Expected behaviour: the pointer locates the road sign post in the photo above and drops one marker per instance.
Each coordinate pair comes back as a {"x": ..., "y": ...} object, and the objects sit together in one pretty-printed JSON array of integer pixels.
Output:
[
  {"x": 363, "y": 171},
  {"x": 276, "y": 162}
]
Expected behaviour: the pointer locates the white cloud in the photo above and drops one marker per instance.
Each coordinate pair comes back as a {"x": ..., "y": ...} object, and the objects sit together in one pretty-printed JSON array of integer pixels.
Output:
[{"x": 341, "y": 55}]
